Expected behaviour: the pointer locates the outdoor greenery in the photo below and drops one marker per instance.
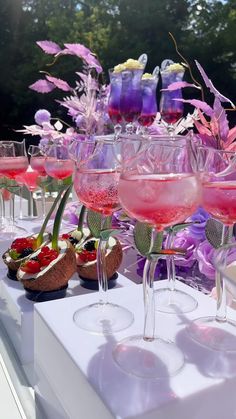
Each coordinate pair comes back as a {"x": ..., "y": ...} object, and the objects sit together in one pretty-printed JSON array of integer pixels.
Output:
[{"x": 115, "y": 30}]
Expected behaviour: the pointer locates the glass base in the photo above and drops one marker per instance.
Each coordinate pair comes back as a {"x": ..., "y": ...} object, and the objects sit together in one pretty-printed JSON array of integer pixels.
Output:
[
  {"x": 156, "y": 359},
  {"x": 213, "y": 334},
  {"x": 11, "y": 232},
  {"x": 103, "y": 319},
  {"x": 30, "y": 218},
  {"x": 174, "y": 302}
]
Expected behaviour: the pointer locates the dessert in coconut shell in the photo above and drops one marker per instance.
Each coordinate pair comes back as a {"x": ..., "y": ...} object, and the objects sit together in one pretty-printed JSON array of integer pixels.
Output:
[
  {"x": 22, "y": 248},
  {"x": 86, "y": 258},
  {"x": 45, "y": 273}
]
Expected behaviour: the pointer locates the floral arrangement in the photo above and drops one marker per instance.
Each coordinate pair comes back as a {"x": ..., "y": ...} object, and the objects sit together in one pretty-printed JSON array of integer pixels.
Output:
[{"x": 86, "y": 104}]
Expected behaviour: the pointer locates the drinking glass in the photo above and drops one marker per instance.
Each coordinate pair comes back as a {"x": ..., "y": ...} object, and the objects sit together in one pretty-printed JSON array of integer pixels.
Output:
[
  {"x": 37, "y": 162},
  {"x": 58, "y": 163},
  {"x": 224, "y": 331},
  {"x": 30, "y": 179},
  {"x": 149, "y": 102},
  {"x": 219, "y": 199},
  {"x": 158, "y": 186},
  {"x": 114, "y": 100},
  {"x": 96, "y": 182},
  {"x": 13, "y": 162},
  {"x": 131, "y": 97},
  {"x": 171, "y": 110}
]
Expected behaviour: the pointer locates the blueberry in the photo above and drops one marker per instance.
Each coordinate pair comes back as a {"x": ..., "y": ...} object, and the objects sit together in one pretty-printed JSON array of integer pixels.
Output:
[
  {"x": 26, "y": 252},
  {"x": 73, "y": 241},
  {"x": 90, "y": 245}
]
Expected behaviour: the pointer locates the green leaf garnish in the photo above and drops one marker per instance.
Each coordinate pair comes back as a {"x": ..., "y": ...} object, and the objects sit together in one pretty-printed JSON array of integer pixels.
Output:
[
  {"x": 105, "y": 234},
  {"x": 157, "y": 245},
  {"x": 41, "y": 233},
  {"x": 13, "y": 253},
  {"x": 214, "y": 232},
  {"x": 143, "y": 238},
  {"x": 81, "y": 219},
  {"x": 58, "y": 218},
  {"x": 178, "y": 227},
  {"x": 94, "y": 221}
]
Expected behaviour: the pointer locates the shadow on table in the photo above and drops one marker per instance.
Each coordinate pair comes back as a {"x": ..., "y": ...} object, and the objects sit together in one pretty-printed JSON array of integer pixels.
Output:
[
  {"x": 209, "y": 362},
  {"x": 126, "y": 395}
]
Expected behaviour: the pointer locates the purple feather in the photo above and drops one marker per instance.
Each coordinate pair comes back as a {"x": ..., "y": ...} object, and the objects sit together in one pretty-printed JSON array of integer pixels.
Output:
[
  {"x": 60, "y": 84},
  {"x": 211, "y": 86},
  {"x": 49, "y": 47},
  {"x": 179, "y": 85},
  {"x": 199, "y": 104},
  {"x": 221, "y": 117},
  {"x": 42, "y": 86}
]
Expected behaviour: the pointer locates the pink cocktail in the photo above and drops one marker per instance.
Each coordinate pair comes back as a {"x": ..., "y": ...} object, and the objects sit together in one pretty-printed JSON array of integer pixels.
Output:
[
  {"x": 13, "y": 166},
  {"x": 160, "y": 200},
  {"x": 59, "y": 169},
  {"x": 219, "y": 199},
  {"x": 30, "y": 179},
  {"x": 38, "y": 163},
  {"x": 98, "y": 190}
]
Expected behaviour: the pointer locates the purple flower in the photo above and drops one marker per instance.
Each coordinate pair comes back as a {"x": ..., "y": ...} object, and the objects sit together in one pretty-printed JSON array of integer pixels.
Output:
[
  {"x": 70, "y": 213},
  {"x": 79, "y": 119},
  {"x": 41, "y": 116},
  {"x": 204, "y": 255},
  {"x": 185, "y": 241},
  {"x": 198, "y": 230}
]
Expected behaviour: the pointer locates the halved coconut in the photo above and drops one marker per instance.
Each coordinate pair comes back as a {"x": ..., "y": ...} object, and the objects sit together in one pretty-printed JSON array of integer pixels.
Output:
[
  {"x": 54, "y": 276},
  {"x": 14, "y": 264},
  {"x": 114, "y": 255}
]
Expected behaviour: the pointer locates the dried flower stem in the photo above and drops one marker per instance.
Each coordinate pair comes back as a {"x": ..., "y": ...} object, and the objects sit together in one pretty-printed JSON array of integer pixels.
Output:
[{"x": 188, "y": 66}]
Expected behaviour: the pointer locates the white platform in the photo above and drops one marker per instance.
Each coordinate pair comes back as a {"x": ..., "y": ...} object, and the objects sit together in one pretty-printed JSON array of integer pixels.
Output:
[
  {"x": 17, "y": 313},
  {"x": 77, "y": 377}
]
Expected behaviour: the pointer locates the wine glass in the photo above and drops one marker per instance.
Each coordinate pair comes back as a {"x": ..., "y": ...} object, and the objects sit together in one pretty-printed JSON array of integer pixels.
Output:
[
  {"x": 159, "y": 187},
  {"x": 13, "y": 162},
  {"x": 30, "y": 179},
  {"x": 219, "y": 199},
  {"x": 58, "y": 163},
  {"x": 171, "y": 110},
  {"x": 96, "y": 182},
  {"x": 37, "y": 162}
]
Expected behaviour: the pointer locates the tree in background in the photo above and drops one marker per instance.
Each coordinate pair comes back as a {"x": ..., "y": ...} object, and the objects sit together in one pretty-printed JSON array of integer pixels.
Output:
[{"x": 115, "y": 30}]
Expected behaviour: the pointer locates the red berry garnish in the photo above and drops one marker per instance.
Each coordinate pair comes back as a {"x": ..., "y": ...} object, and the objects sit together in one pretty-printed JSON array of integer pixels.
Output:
[
  {"x": 65, "y": 236},
  {"x": 31, "y": 266}
]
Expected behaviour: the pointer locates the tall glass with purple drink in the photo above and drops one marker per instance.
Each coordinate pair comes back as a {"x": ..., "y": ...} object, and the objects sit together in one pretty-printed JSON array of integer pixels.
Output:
[
  {"x": 171, "y": 110},
  {"x": 131, "y": 93},
  {"x": 114, "y": 99},
  {"x": 149, "y": 102}
]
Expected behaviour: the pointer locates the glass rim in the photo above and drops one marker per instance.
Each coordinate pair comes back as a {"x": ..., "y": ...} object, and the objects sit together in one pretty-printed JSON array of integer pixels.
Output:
[{"x": 202, "y": 147}]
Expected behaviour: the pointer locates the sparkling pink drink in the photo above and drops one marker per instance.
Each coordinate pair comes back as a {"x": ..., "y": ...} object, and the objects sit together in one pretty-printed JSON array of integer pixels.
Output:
[
  {"x": 160, "y": 200},
  {"x": 219, "y": 199},
  {"x": 30, "y": 179},
  {"x": 97, "y": 190},
  {"x": 38, "y": 163},
  {"x": 13, "y": 166},
  {"x": 59, "y": 169}
]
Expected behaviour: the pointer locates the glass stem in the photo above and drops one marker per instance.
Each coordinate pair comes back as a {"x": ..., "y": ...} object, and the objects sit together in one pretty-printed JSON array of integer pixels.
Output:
[
  {"x": 1, "y": 209},
  {"x": 148, "y": 297},
  {"x": 221, "y": 306},
  {"x": 43, "y": 202},
  {"x": 170, "y": 263},
  {"x": 31, "y": 205},
  {"x": 101, "y": 269},
  {"x": 20, "y": 211},
  {"x": 12, "y": 209}
]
